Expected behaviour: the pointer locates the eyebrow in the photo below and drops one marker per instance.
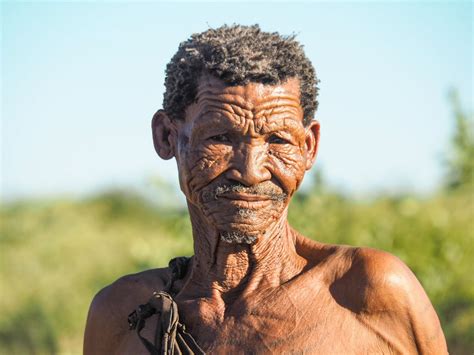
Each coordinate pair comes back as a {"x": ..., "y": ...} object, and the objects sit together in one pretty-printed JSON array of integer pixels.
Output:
[{"x": 281, "y": 122}]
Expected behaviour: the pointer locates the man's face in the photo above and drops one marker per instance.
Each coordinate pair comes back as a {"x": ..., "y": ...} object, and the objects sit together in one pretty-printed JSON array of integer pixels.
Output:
[{"x": 242, "y": 152}]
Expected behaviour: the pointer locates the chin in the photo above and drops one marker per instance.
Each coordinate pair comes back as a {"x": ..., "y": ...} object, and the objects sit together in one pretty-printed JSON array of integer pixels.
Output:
[{"x": 238, "y": 237}]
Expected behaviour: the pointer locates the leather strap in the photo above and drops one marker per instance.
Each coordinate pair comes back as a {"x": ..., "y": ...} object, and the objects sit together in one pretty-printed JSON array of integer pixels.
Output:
[{"x": 171, "y": 336}]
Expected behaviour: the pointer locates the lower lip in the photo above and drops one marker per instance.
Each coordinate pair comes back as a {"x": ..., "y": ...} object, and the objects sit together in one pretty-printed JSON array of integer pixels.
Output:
[
  {"x": 241, "y": 203},
  {"x": 245, "y": 197}
]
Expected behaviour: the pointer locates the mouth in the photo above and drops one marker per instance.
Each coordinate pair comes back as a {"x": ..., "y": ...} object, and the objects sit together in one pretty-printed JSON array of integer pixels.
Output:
[
  {"x": 238, "y": 194},
  {"x": 244, "y": 197},
  {"x": 246, "y": 201}
]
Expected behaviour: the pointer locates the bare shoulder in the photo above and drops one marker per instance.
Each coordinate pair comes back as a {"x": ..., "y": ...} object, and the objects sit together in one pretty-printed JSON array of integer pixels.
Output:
[
  {"x": 382, "y": 280},
  {"x": 386, "y": 290},
  {"x": 381, "y": 292},
  {"x": 109, "y": 310},
  {"x": 373, "y": 271},
  {"x": 384, "y": 271}
]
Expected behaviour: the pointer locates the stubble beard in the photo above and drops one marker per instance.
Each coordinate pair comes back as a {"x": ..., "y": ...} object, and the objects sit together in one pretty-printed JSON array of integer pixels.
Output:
[{"x": 236, "y": 236}]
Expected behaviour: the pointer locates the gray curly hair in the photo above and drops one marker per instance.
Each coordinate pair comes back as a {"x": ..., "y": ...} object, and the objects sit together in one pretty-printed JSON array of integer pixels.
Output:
[{"x": 238, "y": 55}]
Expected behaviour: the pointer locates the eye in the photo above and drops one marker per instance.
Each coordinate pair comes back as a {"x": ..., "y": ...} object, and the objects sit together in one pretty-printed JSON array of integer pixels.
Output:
[
  {"x": 274, "y": 139},
  {"x": 221, "y": 138}
]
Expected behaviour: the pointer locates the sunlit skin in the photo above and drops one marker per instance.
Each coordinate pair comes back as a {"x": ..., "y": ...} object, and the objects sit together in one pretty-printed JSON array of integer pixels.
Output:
[{"x": 254, "y": 284}]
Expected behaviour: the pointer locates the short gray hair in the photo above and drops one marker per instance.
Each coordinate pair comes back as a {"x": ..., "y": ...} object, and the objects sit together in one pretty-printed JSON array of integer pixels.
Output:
[{"x": 238, "y": 55}]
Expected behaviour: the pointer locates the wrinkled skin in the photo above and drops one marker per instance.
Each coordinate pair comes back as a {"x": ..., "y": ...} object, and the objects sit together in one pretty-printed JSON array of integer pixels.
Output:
[{"x": 255, "y": 285}]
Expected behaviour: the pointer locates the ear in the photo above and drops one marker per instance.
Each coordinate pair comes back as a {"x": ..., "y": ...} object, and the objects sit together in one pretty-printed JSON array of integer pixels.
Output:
[
  {"x": 312, "y": 143},
  {"x": 164, "y": 134}
]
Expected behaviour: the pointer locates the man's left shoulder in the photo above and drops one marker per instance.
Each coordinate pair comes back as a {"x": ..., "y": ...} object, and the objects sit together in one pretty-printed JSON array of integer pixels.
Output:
[
  {"x": 391, "y": 291},
  {"x": 387, "y": 282},
  {"x": 370, "y": 279},
  {"x": 383, "y": 271}
]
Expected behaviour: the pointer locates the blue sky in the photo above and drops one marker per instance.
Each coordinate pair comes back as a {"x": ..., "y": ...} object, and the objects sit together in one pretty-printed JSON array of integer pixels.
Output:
[{"x": 80, "y": 82}]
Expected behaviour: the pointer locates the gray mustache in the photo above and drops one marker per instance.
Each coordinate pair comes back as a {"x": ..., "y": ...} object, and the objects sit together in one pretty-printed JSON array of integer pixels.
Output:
[{"x": 260, "y": 190}]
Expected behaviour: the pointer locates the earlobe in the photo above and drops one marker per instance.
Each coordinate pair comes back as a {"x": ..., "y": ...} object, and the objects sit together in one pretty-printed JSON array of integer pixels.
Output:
[
  {"x": 312, "y": 143},
  {"x": 164, "y": 134}
]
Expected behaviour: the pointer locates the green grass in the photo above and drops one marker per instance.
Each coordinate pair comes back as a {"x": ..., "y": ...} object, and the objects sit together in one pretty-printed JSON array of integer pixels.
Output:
[{"x": 56, "y": 254}]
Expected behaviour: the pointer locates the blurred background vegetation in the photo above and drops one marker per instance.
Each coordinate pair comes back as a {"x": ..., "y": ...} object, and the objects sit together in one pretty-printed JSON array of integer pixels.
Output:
[{"x": 57, "y": 253}]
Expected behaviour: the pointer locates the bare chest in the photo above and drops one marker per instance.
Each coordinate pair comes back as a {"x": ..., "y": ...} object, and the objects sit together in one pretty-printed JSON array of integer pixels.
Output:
[
  {"x": 310, "y": 327},
  {"x": 291, "y": 320}
]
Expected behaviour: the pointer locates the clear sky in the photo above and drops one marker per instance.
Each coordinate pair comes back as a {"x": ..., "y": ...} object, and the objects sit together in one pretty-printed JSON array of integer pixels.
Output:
[{"x": 80, "y": 82}]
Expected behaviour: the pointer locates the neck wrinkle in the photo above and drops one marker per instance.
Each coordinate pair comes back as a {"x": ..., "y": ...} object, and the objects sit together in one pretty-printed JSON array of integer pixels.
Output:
[{"x": 230, "y": 268}]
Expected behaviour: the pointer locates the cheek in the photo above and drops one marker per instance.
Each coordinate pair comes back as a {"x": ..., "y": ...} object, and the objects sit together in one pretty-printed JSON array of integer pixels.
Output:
[
  {"x": 203, "y": 164},
  {"x": 288, "y": 166}
]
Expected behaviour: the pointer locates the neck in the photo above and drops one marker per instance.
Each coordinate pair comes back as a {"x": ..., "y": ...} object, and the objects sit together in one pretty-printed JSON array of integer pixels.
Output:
[{"x": 230, "y": 268}]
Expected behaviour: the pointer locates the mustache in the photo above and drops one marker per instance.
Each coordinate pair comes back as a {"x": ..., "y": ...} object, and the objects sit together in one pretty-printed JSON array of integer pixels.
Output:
[{"x": 266, "y": 190}]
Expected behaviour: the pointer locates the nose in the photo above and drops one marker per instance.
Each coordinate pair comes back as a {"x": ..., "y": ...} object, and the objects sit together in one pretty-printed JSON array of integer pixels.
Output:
[{"x": 249, "y": 165}]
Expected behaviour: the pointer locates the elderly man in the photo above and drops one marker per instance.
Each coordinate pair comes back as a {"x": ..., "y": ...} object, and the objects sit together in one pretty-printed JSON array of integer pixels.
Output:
[{"x": 238, "y": 119}]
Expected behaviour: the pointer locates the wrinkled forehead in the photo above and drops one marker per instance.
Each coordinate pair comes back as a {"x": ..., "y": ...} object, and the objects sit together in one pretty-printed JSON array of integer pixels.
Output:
[{"x": 253, "y": 101}]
